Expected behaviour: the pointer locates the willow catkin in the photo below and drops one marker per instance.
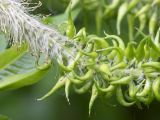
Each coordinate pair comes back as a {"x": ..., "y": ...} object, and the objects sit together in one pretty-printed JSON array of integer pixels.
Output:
[{"x": 21, "y": 27}]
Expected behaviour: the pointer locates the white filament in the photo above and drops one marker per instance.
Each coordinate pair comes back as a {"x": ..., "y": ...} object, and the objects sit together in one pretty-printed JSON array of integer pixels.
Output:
[{"x": 21, "y": 27}]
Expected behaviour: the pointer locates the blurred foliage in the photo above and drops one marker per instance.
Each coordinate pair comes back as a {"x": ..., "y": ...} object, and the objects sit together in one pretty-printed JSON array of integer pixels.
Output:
[
  {"x": 2, "y": 117},
  {"x": 21, "y": 104}
]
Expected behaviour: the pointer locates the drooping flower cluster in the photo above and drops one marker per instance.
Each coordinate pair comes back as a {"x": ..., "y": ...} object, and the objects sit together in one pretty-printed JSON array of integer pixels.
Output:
[
  {"x": 105, "y": 65},
  {"x": 108, "y": 67}
]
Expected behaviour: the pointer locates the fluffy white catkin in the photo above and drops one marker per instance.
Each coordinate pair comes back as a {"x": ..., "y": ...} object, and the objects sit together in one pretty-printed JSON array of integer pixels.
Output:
[{"x": 21, "y": 27}]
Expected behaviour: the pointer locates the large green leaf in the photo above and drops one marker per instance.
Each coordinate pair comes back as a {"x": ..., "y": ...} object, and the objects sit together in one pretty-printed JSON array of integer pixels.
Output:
[
  {"x": 10, "y": 55},
  {"x": 17, "y": 69}
]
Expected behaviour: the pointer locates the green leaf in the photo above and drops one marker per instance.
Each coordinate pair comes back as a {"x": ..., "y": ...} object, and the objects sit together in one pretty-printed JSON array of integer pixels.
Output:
[
  {"x": 10, "y": 55},
  {"x": 17, "y": 69}
]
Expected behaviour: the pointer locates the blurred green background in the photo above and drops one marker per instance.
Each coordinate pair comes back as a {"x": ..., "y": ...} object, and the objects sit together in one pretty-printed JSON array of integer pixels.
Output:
[{"x": 21, "y": 104}]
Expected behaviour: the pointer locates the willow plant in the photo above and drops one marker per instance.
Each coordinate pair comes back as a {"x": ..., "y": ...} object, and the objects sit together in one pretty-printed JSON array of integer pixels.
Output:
[{"x": 105, "y": 66}]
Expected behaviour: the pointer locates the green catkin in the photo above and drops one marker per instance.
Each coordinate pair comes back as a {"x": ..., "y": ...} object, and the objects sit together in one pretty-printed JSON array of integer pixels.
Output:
[
  {"x": 106, "y": 64},
  {"x": 88, "y": 62}
]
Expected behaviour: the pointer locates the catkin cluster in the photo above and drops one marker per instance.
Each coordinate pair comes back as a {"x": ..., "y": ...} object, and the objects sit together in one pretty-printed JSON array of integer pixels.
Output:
[
  {"x": 107, "y": 67},
  {"x": 104, "y": 65}
]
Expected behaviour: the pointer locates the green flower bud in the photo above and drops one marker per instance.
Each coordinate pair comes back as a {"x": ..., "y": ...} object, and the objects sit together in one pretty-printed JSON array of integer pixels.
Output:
[
  {"x": 86, "y": 76},
  {"x": 67, "y": 88},
  {"x": 155, "y": 87},
  {"x": 130, "y": 51},
  {"x": 71, "y": 30},
  {"x": 120, "y": 65},
  {"x": 122, "y": 81},
  {"x": 120, "y": 98},
  {"x": 140, "y": 49},
  {"x": 93, "y": 98},
  {"x": 58, "y": 85},
  {"x": 146, "y": 89},
  {"x": 84, "y": 88}
]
